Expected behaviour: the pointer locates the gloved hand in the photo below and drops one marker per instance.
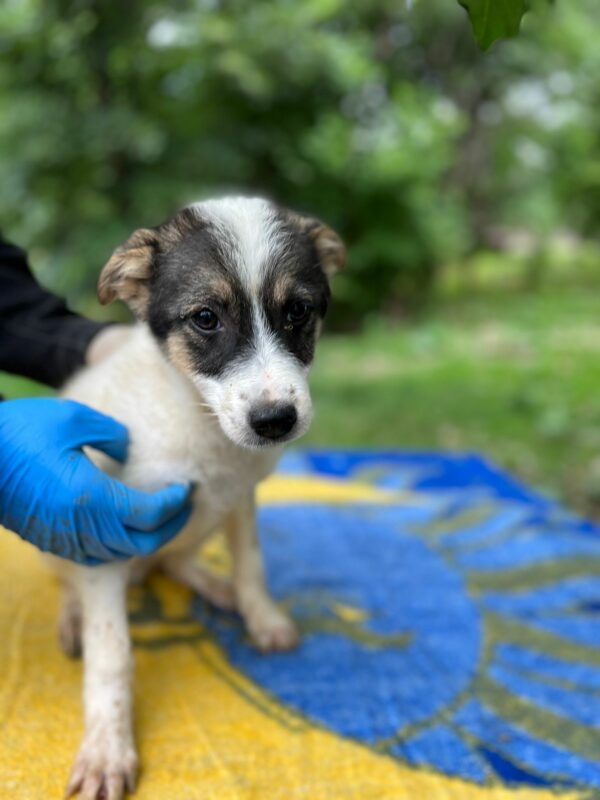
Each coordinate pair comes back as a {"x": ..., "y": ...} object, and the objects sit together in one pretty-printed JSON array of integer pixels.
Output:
[{"x": 52, "y": 495}]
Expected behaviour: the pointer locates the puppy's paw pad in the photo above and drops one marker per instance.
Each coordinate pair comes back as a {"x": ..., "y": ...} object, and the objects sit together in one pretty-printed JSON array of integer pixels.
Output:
[
  {"x": 274, "y": 633},
  {"x": 103, "y": 775}
]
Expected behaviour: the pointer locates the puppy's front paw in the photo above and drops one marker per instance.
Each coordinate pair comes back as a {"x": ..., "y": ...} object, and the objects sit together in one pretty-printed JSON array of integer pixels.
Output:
[
  {"x": 104, "y": 770},
  {"x": 272, "y": 630}
]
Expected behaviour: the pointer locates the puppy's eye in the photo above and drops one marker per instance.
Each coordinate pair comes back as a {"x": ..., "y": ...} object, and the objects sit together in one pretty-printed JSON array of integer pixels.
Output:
[
  {"x": 206, "y": 320},
  {"x": 297, "y": 312}
]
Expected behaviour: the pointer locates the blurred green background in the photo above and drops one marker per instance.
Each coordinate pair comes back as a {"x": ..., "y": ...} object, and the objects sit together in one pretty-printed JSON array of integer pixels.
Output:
[{"x": 466, "y": 185}]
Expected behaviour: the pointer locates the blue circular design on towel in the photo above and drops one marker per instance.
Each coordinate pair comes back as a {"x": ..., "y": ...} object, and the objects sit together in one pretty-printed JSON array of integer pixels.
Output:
[
  {"x": 414, "y": 649},
  {"x": 392, "y": 639}
]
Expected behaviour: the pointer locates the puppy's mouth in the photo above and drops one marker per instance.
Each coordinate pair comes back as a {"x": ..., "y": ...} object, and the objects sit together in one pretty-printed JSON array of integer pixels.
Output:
[{"x": 253, "y": 442}]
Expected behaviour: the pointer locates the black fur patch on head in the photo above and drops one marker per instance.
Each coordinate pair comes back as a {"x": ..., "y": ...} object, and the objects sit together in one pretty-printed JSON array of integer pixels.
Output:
[
  {"x": 197, "y": 273},
  {"x": 196, "y": 266},
  {"x": 295, "y": 275}
]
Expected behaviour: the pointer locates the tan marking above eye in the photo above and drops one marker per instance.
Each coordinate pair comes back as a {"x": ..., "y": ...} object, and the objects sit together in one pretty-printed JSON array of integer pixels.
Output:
[
  {"x": 222, "y": 288},
  {"x": 218, "y": 294},
  {"x": 282, "y": 288},
  {"x": 286, "y": 290}
]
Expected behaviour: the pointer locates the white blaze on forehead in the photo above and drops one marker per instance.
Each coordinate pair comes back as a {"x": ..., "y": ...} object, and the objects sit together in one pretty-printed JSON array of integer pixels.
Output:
[{"x": 250, "y": 223}]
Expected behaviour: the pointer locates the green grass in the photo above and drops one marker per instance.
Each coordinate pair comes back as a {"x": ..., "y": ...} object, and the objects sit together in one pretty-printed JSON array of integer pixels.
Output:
[{"x": 515, "y": 376}]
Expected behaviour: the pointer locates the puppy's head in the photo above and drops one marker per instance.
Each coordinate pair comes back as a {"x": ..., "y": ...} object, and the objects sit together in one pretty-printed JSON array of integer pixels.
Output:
[{"x": 234, "y": 290}]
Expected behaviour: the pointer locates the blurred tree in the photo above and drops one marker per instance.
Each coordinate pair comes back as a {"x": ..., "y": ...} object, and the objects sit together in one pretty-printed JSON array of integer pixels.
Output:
[{"x": 382, "y": 117}]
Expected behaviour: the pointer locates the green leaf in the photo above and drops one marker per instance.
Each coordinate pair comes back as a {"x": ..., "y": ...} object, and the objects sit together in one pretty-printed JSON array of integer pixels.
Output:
[{"x": 494, "y": 19}]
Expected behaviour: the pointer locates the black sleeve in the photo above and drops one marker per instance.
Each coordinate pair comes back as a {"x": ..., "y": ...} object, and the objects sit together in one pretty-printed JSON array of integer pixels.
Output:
[{"x": 39, "y": 337}]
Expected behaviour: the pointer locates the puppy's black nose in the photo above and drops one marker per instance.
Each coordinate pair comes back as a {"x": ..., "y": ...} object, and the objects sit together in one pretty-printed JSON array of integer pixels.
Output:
[{"x": 273, "y": 421}]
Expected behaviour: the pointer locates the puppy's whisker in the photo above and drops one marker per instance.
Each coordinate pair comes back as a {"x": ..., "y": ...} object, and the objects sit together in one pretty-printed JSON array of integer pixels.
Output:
[
  {"x": 210, "y": 409},
  {"x": 206, "y": 409}
]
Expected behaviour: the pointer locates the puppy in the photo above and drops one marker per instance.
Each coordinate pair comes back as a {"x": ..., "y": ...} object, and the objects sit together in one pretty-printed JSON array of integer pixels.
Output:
[{"x": 229, "y": 296}]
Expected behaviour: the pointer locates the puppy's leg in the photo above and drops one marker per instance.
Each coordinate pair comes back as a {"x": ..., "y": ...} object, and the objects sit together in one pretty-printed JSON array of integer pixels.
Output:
[
  {"x": 217, "y": 590},
  {"x": 70, "y": 622},
  {"x": 269, "y": 627},
  {"x": 107, "y": 762}
]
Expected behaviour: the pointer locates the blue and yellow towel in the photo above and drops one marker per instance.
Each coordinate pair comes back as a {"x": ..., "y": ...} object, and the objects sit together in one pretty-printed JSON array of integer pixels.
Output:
[{"x": 451, "y": 649}]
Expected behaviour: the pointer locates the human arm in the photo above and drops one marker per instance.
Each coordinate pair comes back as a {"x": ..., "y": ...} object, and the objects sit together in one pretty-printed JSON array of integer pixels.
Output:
[{"x": 40, "y": 338}]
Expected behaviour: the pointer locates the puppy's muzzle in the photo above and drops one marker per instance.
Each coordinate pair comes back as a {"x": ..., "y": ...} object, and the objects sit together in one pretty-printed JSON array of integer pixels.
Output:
[{"x": 273, "y": 421}]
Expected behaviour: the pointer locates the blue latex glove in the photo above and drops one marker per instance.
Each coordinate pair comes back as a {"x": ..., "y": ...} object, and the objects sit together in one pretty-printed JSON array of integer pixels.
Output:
[{"x": 53, "y": 496}]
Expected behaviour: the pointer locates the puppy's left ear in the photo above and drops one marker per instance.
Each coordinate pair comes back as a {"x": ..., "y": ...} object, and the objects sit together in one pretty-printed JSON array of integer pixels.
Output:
[
  {"x": 330, "y": 248},
  {"x": 127, "y": 273}
]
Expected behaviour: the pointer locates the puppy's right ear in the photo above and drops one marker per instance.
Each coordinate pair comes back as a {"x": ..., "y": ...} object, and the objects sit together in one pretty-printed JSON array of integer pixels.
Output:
[
  {"x": 330, "y": 248},
  {"x": 127, "y": 273}
]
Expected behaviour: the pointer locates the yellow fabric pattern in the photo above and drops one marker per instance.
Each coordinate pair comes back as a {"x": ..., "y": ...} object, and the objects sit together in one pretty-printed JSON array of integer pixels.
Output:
[{"x": 203, "y": 729}]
